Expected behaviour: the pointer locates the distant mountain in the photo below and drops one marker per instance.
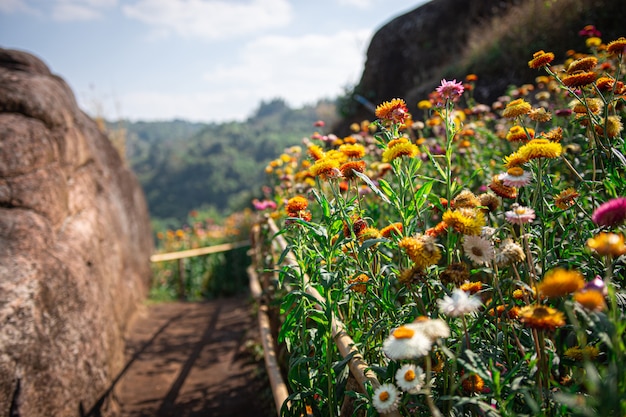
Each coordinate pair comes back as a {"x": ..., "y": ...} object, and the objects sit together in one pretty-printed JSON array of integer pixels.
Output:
[{"x": 183, "y": 166}]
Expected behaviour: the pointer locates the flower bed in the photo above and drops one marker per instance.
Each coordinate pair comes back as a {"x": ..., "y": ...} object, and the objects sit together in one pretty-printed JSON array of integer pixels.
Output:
[{"x": 468, "y": 263}]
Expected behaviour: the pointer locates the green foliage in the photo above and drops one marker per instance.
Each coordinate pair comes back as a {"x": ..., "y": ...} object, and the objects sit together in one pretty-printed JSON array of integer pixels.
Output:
[{"x": 184, "y": 166}]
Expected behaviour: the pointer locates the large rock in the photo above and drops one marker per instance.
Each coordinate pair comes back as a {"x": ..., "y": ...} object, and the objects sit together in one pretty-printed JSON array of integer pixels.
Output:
[
  {"x": 75, "y": 243},
  {"x": 409, "y": 55}
]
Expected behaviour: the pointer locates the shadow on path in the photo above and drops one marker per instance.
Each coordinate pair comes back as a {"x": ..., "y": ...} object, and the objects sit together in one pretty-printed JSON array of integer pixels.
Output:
[{"x": 189, "y": 359}]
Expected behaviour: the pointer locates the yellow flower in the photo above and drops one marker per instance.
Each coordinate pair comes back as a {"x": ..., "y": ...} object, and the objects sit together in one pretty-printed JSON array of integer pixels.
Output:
[
  {"x": 541, "y": 317},
  {"x": 540, "y": 148},
  {"x": 516, "y": 108},
  {"x": 465, "y": 221},
  {"x": 467, "y": 199},
  {"x": 398, "y": 150},
  {"x": 424, "y": 105},
  {"x": 558, "y": 282},
  {"x": 554, "y": 135},
  {"x": 540, "y": 115},
  {"x": 316, "y": 152},
  {"x": 515, "y": 159},
  {"x": 472, "y": 287},
  {"x": 353, "y": 150},
  {"x": 613, "y": 126},
  {"x": 325, "y": 167},
  {"x": 593, "y": 41},
  {"x": 518, "y": 134},
  {"x": 607, "y": 243},
  {"x": 595, "y": 106},
  {"x": 421, "y": 249},
  {"x": 579, "y": 79},
  {"x": 577, "y": 353},
  {"x": 392, "y": 229}
]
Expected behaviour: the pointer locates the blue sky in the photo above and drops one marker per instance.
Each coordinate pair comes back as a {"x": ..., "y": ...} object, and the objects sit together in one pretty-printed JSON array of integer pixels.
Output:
[{"x": 200, "y": 60}]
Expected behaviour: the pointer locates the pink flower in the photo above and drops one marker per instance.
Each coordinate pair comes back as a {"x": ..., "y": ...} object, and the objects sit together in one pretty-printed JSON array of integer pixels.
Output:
[
  {"x": 610, "y": 213},
  {"x": 450, "y": 89},
  {"x": 510, "y": 179},
  {"x": 519, "y": 214}
]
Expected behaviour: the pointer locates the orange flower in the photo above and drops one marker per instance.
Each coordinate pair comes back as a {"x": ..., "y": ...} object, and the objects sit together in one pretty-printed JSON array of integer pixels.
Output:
[
  {"x": 566, "y": 198},
  {"x": 617, "y": 46},
  {"x": 325, "y": 168},
  {"x": 607, "y": 243},
  {"x": 579, "y": 79},
  {"x": 502, "y": 190},
  {"x": 541, "y": 317},
  {"x": 357, "y": 283},
  {"x": 590, "y": 299},
  {"x": 473, "y": 384},
  {"x": 394, "y": 111},
  {"x": 554, "y": 135},
  {"x": 583, "y": 64},
  {"x": 421, "y": 249},
  {"x": 437, "y": 230},
  {"x": 352, "y": 150},
  {"x": 518, "y": 134},
  {"x": 392, "y": 229},
  {"x": 540, "y": 59},
  {"x": 472, "y": 287},
  {"x": 347, "y": 169},
  {"x": 297, "y": 203},
  {"x": 558, "y": 282}
]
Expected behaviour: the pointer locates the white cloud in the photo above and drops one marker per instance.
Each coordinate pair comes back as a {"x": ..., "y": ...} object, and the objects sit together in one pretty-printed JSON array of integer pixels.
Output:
[
  {"x": 16, "y": 6},
  {"x": 299, "y": 69},
  {"x": 210, "y": 19}
]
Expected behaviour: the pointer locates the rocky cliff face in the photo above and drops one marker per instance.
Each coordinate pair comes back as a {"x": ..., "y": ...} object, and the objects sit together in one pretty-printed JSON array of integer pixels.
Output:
[
  {"x": 75, "y": 243},
  {"x": 408, "y": 56}
]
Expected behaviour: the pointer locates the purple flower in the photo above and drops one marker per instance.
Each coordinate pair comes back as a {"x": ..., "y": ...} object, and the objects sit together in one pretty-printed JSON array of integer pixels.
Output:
[
  {"x": 450, "y": 89},
  {"x": 610, "y": 213},
  {"x": 597, "y": 285}
]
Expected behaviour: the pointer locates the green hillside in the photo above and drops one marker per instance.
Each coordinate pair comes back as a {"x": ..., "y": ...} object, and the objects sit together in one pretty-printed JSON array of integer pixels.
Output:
[{"x": 184, "y": 166}]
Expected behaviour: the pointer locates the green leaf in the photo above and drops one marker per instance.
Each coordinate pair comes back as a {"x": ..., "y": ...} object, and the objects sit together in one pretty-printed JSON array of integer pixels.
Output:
[{"x": 373, "y": 186}]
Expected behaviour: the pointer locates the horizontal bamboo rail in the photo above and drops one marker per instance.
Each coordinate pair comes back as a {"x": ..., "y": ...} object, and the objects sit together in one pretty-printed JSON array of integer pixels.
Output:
[
  {"x": 358, "y": 367},
  {"x": 171, "y": 256}
]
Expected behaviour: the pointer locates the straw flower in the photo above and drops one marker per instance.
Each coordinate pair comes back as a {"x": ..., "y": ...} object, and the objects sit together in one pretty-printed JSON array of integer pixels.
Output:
[
  {"x": 592, "y": 300},
  {"x": 325, "y": 168},
  {"x": 410, "y": 378},
  {"x": 541, "y": 317},
  {"x": 478, "y": 249},
  {"x": 502, "y": 190},
  {"x": 433, "y": 328},
  {"x": 607, "y": 244},
  {"x": 489, "y": 201},
  {"x": 558, "y": 282},
  {"x": 540, "y": 59},
  {"x": 515, "y": 108},
  {"x": 579, "y": 79},
  {"x": 386, "y": 398},
  {"x": 617, "y": 46},
  {"x": 465, "y": 221},
  {"x": 566, "y": 198},
  {"x": 357, "y": 283},
  {"x": 458, "y": 304},
  {"x": 398, "y": 150},
  {"x": 519, "y": 214},
  {"x": 583, "y": 64},
  {"x": 394, "y": 111},
  {"x": 614, "y": 126},
  {"x": 297, "y": 203},
  {"x": 515, "y": 159},
  {"x": 509, "y": 253},
  {"x": 540, "y": 148},
  {"x": 611, "y": 213},
  {"x": 450, "y": 89},
  {"x": 540, "y": 115},
  {"x": 406, "y": 342},
  {"x": 471, "y": 287},
  {"x": 353, "y": 150},
  {"x": 518, "y": 134},
  {"x": 315, "y": 152},
  {"x": 347, "y": 169},
  {"x": 578, "y": 354},
  {"x": 473, "y": 384},
  {"x": 467, "y": 199},
  {"x": 516, "y": 177},
  {"x": 554, "y": 135},
  {"x": 421, "y": 249},
  {"x": 392, "y": 229}
]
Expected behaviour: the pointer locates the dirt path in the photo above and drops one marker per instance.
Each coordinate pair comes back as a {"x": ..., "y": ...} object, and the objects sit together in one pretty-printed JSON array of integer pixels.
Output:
[{"x": 190, "y": 359}]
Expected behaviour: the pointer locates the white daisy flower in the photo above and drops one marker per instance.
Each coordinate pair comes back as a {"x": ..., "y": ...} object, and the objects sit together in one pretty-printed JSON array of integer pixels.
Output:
[
  {"x": 433, "y": 328},
  {"x": 407, "y": 342},
  {"x": 386, "y": 398},
  {"x": 478, "y": 249},
  {"x": 410, "y": 378},
  {"x": 458, "y": 304}
]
